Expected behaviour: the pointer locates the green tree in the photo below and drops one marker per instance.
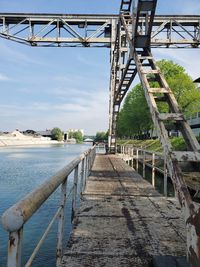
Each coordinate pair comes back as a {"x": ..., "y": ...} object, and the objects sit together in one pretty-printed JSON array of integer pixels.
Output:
[
  {"x": 57, "y": 134},
  {"x": 76, "y": 135},
  {"x": 185, "y": 91},
  {"x": 134, "y": 117},
  {"x": 101, "y": 136}
]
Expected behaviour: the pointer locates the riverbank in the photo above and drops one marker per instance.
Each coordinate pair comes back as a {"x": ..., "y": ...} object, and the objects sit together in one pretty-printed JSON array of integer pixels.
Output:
[
  {"x": 18, "y": 139},
  {"x": 8, "y": 143},
  {"x": 154, "y": 144}
]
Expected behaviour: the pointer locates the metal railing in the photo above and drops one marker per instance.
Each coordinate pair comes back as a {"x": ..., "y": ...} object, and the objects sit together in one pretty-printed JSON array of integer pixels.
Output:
[
  {"x": 14, "y": 219},
  {"x": 154, "y": 160}
]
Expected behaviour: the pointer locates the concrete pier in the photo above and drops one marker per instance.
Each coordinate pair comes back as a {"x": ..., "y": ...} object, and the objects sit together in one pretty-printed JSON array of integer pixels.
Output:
[{"x": 124, "y": 221}]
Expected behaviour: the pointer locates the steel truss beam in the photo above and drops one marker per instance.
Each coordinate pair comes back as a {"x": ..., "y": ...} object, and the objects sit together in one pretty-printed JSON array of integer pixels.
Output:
[{"x": 56, "y": 30}]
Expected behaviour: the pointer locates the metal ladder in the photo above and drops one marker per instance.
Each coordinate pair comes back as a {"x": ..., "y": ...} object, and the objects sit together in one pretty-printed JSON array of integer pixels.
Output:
[
  {"x": 125, "y": 5},
  {"x": 149, "y": 72}
]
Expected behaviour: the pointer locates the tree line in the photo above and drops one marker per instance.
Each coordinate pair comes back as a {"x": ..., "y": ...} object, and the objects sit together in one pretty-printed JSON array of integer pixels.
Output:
[{"x": 134, "y": 117}]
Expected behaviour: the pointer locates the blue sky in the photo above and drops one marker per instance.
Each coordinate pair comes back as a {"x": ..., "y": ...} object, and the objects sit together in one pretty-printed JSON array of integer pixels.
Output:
[{"x": 68, "y": 87}]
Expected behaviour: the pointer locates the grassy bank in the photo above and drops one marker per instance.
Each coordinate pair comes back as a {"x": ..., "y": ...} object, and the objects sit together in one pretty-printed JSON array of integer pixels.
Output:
[{"x": 154, "y": 145}]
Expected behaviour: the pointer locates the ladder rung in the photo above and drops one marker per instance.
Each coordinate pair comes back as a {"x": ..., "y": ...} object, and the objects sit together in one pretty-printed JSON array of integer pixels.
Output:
[
  {"x": 170, "y": 116},
  {"x": 186, "y": 156},
  {"x": 123, "y": 49},
  {"x": 158, "y": 90},
  {"x": 126, "y": 82},
  {"x": 151, "y": 71}
]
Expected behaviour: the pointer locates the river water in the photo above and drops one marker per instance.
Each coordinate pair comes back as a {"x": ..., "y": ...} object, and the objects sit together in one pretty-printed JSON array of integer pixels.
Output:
[{"x": 21, "y": 170}]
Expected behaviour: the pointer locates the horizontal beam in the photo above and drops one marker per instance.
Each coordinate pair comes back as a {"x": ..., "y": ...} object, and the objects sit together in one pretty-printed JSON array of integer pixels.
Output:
[
  {"x": 12, "y": 18},
  {"x": 41, "y": 18},
  {"x": 94, "y": 30}
]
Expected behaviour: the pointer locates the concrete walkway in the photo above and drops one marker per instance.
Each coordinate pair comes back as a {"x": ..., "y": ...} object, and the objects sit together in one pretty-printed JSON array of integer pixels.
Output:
[{"x": 123, "y": 221}]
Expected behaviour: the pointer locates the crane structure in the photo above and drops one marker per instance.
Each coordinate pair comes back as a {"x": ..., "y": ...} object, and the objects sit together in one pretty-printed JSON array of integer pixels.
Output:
[{"x": 130, "y": 37}]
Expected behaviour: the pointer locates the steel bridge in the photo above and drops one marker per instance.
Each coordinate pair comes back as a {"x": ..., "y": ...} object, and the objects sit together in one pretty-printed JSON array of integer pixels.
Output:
[{"x": 130, "y": 37}]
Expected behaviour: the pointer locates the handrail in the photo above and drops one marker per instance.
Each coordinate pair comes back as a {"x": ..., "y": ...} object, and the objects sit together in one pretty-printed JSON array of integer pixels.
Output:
[
  {"x": 16, "y": 216},
  {"x": 146, "y": 158}
]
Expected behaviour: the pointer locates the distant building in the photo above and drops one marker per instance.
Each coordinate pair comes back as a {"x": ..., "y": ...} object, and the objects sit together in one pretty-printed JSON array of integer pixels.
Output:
[
  {"x": 46, "y": 133},
  {"x": 194, "y": 122},
  {"x": 30, "y": 133}
]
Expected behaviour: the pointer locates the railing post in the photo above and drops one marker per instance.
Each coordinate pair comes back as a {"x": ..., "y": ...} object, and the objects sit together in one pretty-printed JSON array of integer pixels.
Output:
[
  {"x": 61, "y": 223},
  {"x": 153, "y": 169},
  {"x": 15, "y": 248},
  {"x": 86, "y": 172},
  {"x": 144, "y": 163},
  {"x": 165, "y": 176},
  {"x": 74, "y": 193},
  {"x": 137, "y": 159},
  {"x": 89, "y": 164},
  {"x": 82, "y": 175},
  {"x": 133, "y": 157}
]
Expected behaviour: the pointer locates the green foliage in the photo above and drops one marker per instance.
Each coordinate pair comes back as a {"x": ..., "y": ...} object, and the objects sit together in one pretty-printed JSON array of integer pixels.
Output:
[
  {"x": 134, "y": 117},
  {"x": 101, "y": 136},
  {"x": 178, "y": 144},
  {"x": 185, "y": 91},
  {"x": 76, "y": 135},
  {"x": 57, "y": 134}
]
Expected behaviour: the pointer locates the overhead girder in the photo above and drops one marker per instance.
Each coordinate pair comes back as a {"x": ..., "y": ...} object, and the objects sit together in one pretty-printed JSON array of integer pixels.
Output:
[{"x": 57, "y": 30}]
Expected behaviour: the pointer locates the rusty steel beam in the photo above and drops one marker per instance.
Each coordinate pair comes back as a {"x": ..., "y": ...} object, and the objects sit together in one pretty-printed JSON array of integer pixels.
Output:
[{"x": 77, "y": 30}]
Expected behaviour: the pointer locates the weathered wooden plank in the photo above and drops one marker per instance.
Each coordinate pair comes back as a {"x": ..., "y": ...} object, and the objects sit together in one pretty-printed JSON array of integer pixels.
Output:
[{"x": 123, "y": 221}]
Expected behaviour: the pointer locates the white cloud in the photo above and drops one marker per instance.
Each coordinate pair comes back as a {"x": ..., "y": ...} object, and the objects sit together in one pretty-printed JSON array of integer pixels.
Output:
[
  {"x": 188, "y": 58},
  {"x": 4, "y": 77},
  {"x": 89, "y": 113},
  {"x": 87, "y": 62},
  {"x": 12, "y": 52},
  {"x": 67, "y": 107}
]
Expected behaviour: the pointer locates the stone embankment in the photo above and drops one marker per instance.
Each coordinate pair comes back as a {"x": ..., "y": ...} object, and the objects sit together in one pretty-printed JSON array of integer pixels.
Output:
[{"x": 17, "y": 139}]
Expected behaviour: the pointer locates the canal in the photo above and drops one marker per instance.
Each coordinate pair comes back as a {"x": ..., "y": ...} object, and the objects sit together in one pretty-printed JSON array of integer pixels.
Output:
[{"x": 21, "y": 170}]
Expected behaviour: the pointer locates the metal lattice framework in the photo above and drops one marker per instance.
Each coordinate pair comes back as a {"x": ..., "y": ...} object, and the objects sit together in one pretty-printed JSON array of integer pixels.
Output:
[
  {"x": 130, "y": 36},
  {"x": 57, "y": 30}
]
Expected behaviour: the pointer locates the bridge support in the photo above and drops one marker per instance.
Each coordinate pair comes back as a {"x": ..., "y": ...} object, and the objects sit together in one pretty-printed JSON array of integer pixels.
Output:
[{"x": 136, "y": 57}]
